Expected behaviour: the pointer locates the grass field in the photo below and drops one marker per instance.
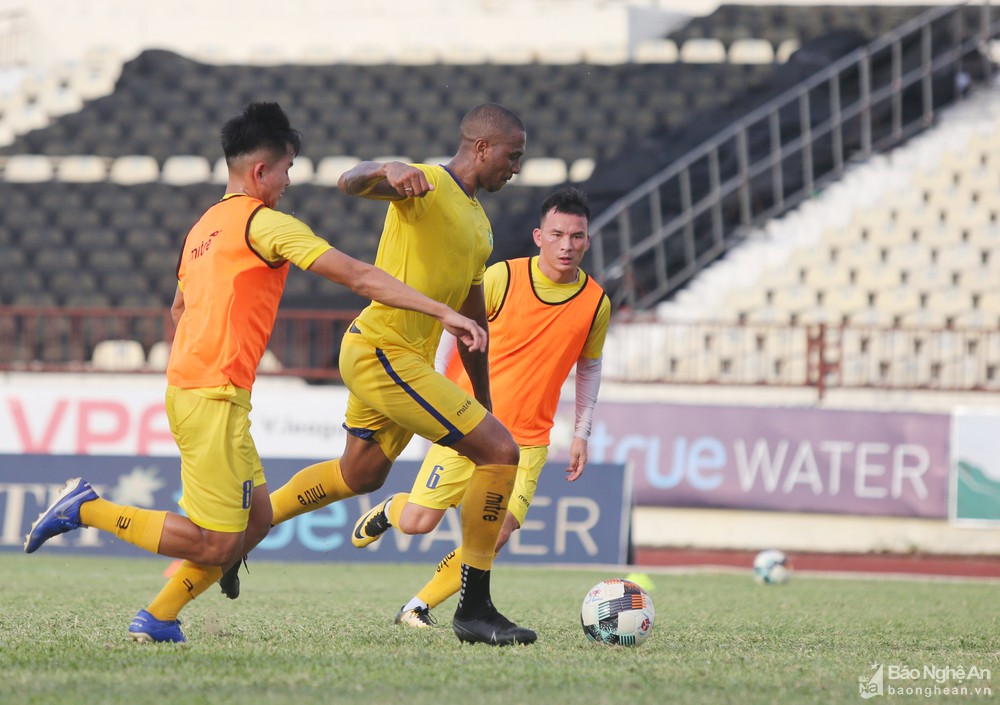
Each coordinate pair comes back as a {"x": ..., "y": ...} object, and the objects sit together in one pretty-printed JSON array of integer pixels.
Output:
[{"x": 311, "y": 633}]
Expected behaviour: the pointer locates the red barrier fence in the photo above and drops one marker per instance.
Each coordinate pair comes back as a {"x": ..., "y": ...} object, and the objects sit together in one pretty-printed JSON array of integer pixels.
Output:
[{"x": 306, "y": 343}]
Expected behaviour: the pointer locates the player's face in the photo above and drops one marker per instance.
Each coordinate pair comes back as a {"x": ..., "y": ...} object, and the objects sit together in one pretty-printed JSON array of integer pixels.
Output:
[
  {"x": 273, "y": 179},
  {"x": 562, "y": 240},
  {"x": 501, "y": 160}
]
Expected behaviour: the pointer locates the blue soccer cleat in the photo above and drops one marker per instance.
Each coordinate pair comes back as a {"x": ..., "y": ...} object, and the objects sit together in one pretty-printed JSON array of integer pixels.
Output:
[
  {"x": 147, "y": 629},
  {"x": 62, "y": 515}
]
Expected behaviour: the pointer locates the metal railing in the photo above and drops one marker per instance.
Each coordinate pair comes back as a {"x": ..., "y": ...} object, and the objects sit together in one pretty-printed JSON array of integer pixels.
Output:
[
  {"x": 306, "y": 344},
  {"x": 14, "y": 37},
  {"x": 822, "y": 357},
  {"x": 654, "y": 239}
]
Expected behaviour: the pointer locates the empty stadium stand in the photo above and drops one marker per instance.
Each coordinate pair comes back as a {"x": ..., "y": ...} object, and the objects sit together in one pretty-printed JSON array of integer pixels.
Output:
[
  {"x": 107, "y": 166},
  {"x": 155, "y": 137}
]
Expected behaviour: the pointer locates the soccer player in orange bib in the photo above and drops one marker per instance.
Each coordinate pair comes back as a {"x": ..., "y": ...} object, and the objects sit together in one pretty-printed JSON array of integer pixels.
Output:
[
  {"x": 231, "y": 275},
  {"x": 545, "y": 316}
]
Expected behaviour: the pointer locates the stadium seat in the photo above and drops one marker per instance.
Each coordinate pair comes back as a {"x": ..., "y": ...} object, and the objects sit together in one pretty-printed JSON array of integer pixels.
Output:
[
  {"x": 220, "y": 172},
  {"x": 416, "y": 55},
  {"x": 406, "y": 159},
  {"x": 845, "y": 300},
  {"x": 979, "y": 279},
  {"x": 368, "y": 54},
  {"x": 878, "y": 278},
  {"x": 930, "y": 279},
  {"x": 924, "y": 318},
  {"x": 898, "y": 301},
  {"x": 118, "y": 356},
  {"x": 302, "y": 170},
  {"x": 554, "y": 54},
  {"x": 270, "y": 54},
  {"x": 330, "y": 169},
  {"x": 794, "y": 298},
  {"x": 184, "y": 169},
  {"x": 28, "y": 168},
  {"x": 751, "y": 51},
  {"x": 60, "y": 101},
  {"x": 959, "y": 257},
  {"x": 702, "y": 51},
  {"x": 989, "y": 302},
  {"x": 159, "y": 354},
  {"x": 438, "y": 159},
  {"x": 609, "y": 54},
  {"x": 57, "y": 260},
  {"x": 909, "y": 257},
  {"x": 91, "y": 82},
  {"x": 82, "y": 169},
  {"x": 269, "y": 362},
  {"x": 785, "y": 50},
  {"x": 871, "y": 317},
  {"x": 134, "y": 169},
  {"x": 542, "y": 171},
  {"x": 858, "y": 256},
  {"x": 827, "y": 276},
  {"x": 951, "y": 302},
  {"x": 511, "y": 54},
  {"x": 655, "y": 51},
  {"x": 27, "y": 118},
  {"x": 581, "y": 169},
  {"x": 464, "y": 53}
]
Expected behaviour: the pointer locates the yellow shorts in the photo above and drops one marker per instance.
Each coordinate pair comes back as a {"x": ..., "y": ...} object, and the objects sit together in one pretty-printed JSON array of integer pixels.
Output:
[
  {"x": 219, "y": 461},
  {"x": 396, "y": 393},
  {"x": 445, "y": 474}
]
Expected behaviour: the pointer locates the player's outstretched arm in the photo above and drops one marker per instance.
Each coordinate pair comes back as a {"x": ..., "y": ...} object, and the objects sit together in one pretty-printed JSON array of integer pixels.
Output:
[
  {"x": 372, "y": 283},
  {"x": 388, "y": 181},
  {"x": 476, "y": 362}
]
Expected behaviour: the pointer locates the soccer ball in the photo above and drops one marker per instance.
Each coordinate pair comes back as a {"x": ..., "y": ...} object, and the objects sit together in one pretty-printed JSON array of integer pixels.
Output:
[
  {"x": 617, "y": 611},
  {"x": 771, "y": 567}
]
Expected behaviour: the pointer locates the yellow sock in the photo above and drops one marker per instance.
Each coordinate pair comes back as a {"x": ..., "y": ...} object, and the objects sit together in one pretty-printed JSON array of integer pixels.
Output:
[
  {"x": 484, "y": 509},
  {"x": 139, "y": 527},
  {"x": 446, "y": 581},
  {"x": 187, "y": 582},
  {"x": 396, "y": 507},
  {"x": 310, "y": 488}
]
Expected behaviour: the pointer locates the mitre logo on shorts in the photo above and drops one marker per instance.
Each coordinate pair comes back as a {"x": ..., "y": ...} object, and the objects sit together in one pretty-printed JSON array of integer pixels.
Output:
[{"x": 464, "y": 407}]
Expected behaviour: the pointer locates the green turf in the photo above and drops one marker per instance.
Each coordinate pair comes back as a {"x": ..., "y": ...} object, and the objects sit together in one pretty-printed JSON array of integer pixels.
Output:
[{"x": 323, "y": 633}]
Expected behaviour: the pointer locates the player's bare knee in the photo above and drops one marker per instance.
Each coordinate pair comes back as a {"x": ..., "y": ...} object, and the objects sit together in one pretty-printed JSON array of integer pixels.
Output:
[
  {"x": 507, "y": 452},
  {"x": 367, "y": 485},
  {"x": 415, "y": 526},
  {"x": 220, "y": 549},
  {"x": 221, "y": 556}
]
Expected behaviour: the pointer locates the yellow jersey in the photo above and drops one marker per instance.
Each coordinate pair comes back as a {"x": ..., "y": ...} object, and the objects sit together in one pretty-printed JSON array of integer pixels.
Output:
[{"x": 438, "y": 244}]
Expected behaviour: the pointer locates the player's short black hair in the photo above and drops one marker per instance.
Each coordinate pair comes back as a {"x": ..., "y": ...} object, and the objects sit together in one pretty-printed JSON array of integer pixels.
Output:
[
  {"x": 259, "y": 126},
  {"x": 568, "y": 200},
  {"x": 490, "y": 120}
]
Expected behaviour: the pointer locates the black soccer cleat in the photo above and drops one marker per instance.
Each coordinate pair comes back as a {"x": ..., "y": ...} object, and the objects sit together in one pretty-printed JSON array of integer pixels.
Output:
[
  {"x": 493, "y": 629},
  {"x": 230, "y": 580},
  {"x": 371, "y": 525}
]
